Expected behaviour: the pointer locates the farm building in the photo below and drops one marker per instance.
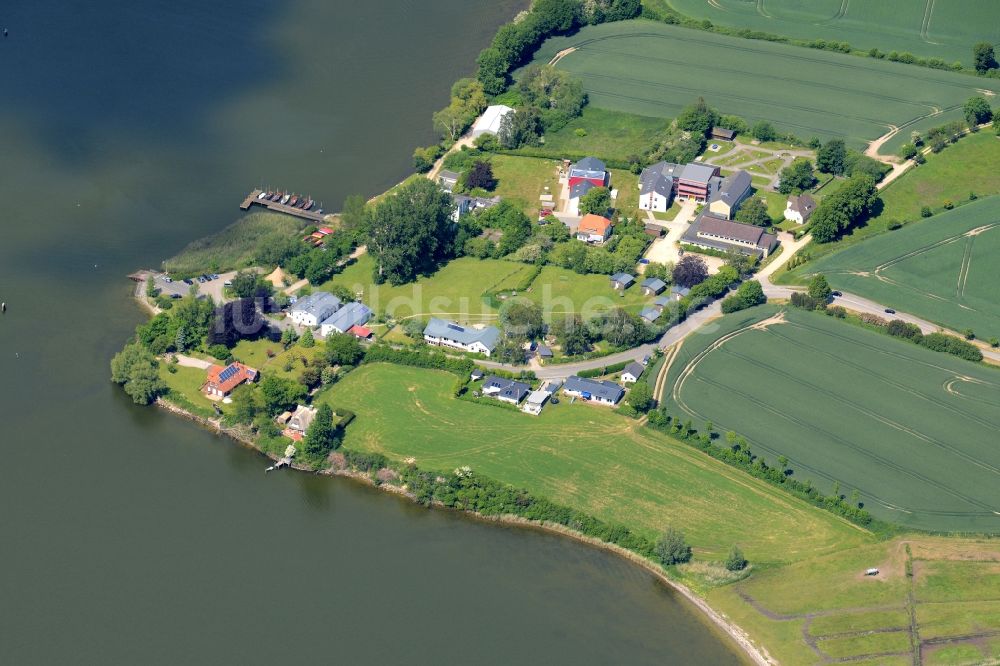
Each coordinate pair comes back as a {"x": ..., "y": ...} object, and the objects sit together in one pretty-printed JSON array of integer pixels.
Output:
[
  {"x": 583, "y": 176},
  {"x": 449, "y": 334},
  {"x": 799, "y": 208},
  {"x": 505, "y": 390},
  {"x": 632, "y": 372},
  {"x": 594, "y": 229},
  {"x": 600, "y": 391},
  {"x": 715, "y": 233},
  {"x": 221, "y": 380},
  {"x": 723, "y": 133},
  {"x": 349, "y": 316},
  {"x": 489, "y": 122},
  {"x": 622, "y": 281},
  {"x": 314, "y": 308},
  {"x": 656, "y": 186},
  {"x": 731, "y": 193},
  {"x": 696, "y": 181},
  {"x": 653, "y": 286}
]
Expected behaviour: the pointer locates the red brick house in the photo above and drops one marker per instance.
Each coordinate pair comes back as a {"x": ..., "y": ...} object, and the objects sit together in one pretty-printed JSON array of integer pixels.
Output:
[
  {"x": 696, "y": 180},
  {"x": 221, "y": 381}
]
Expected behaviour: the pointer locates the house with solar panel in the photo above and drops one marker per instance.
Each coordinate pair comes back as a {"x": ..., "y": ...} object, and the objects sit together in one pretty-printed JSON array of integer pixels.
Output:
[
  {"x": 445, "y": 333},
  {"x": 585, "y": 175},
  {"x": 221, "y": 380}
]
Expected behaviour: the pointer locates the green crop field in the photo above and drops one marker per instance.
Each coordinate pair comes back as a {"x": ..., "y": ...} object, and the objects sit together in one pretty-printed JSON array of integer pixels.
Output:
[
  {"x": 584, "y": 456},
  {"x": 943, "y": 268},
  {"x": 655, "y": 70},
  {"x": 914, "y": 431},
  {"x": 944, "y": 29}
]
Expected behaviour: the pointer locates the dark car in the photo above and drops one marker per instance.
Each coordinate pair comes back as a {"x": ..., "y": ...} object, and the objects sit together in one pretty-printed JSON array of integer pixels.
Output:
[
  {"x": 890, "y": 311},
  {"x": 187, "y": 281},
  {"x": 837, "y": 293}
]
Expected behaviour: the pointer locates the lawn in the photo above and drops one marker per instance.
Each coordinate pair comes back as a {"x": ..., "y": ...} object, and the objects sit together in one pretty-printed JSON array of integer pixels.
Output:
[
  {"x": 185, "y": 389},
  {"x": 943, "y": 268},
  {"x": 653, "y": 69},
  {"x": 234, "y": 247},
  {"x": 610, "y": 135},
  {"x": 944, "y": 30},
  {"x": 913, "y": 431},
  {"x": 587, "y": 457},
  {"x": 524, "y": 179},
  {"x": 559, "y": 291}
]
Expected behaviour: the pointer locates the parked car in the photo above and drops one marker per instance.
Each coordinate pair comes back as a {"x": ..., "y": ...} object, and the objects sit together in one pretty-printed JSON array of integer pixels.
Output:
[
  {"x": 890, "y": 311},
  {"x": 188, "y": 281},
  {"x": 837, "y": 293},
  {"x": 214, "y": 276},
  {"x": 167, "y": 279}
]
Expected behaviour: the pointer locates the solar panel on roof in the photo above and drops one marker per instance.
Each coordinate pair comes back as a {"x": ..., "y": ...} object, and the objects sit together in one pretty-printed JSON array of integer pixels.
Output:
[
  {"x": 456, "y": 327},
  {"x": 229, "y": 372}
]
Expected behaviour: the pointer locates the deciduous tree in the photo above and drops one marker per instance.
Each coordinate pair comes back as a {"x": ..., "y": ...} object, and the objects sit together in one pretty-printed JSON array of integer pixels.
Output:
[
  {"x": 671, "y": 548},
  {"x": 690, "y": 270}
]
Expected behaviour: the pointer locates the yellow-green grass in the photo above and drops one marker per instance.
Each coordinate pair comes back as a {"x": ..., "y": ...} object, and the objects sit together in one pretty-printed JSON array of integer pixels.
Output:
[
  {"x": 887, "y": 643},
  {"x": 944, "y": 30},
  {"x": 971, "y": 165},
  {"x": 610, "y": 135},
  {"x": 254, "y": 354},
  {"x": 948, "y": 581},
  {"x": 236, "y": 246},
  {"x": 185, "y": 389},
  {"x": 560, "y": 292},
  {"x": 454, "y": 291},
  {"x": 524, "y": 179},
  {"x": 943, "y": 268},
  {"x": 825, "y": 625},
  {"x": 961, "y": 654},
  {"x": 908, "y": 428},
  {"x": 627, "y": 184},
  {"x": 655, "y": 69},
  {"x": 958, "y": 618},
  {"x": 586, "y": 457}
]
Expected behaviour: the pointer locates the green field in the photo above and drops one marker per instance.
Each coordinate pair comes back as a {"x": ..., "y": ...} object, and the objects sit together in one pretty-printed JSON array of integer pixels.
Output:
[
  {"x": 585, "y": 456},
  {"x": 654, "y": 69},
  {"x": 926, "y": 28},
  {"x": 609, "y": 135},
  {"x": 943, "y": 269},
  {"x": 914, "y": 431}
]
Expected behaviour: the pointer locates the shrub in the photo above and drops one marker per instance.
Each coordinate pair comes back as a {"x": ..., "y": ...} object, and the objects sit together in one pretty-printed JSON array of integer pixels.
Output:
[
  {"x": 948, "y": 205},
  {"x": 925, "y": 211},
  {"x": 580, "y": 132},
  {"x": 736, "y": 561},
  {"x": 671, "y": 548}
]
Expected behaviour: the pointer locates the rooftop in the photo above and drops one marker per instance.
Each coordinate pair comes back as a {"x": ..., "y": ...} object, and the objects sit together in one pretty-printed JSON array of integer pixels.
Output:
[
  {"x": 449, "y": 330},
  {"x": 599, "y": 388},
  {"x": 734, "y": 187},
  {"x": 635, "y": 369},
  {"x": 594, "y": 224},
  {"x": 697, "y": 173},
  {"x": 352, "y": 314}
]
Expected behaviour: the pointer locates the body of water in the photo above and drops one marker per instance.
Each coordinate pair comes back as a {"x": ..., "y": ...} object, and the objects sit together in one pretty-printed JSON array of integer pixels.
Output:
[{"x": 128, "y": 535}]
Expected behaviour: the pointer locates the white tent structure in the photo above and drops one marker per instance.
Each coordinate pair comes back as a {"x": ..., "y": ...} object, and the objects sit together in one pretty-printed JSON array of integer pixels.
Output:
[{"x": 489, "y": 122}]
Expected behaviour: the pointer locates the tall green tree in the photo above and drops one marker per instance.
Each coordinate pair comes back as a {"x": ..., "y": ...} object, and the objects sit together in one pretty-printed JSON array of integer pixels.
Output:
[
  {"x": 344, "y": 349},
  {"x": 797, "y": 176},
  {"x": 977, "y": 111},
  {"x": 819, "y": 288},
  {"x": 984, "y": 57},
  {"x": 521, "y": 318},
  {"x": 698, "y": 118},
  {"x": 640, "y": 397},
  {"x": 832, "y": 157},
  {"x": 671, "y": 548},
  {"x": 735, "y": 561},
  {"x": 135, "y": 369},
  {"x": 754, "y": 211},
  {"x": 597, "y": 200},
  {"x": 321, "y": 436},
  {"x": 410, "y": 232}
]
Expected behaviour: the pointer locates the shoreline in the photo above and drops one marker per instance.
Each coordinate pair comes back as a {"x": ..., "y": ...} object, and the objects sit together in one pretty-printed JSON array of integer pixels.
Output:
[{"x": 734, "y": 633}]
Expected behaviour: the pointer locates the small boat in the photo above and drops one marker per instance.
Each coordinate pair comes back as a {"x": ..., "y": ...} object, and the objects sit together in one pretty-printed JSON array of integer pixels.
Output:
[
  {"x": 262, "y": 195},
  {"x": 294, "y": 200},
  {"x": 276, "y": 197},
  {"x": 306, "y": 205},
  {"x": 284, "y": 199}
]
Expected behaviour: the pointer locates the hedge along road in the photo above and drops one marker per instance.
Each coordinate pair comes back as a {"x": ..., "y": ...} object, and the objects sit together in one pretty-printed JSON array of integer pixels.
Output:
[
  {"x": 912, "y": 430},
  {"x": 654, "y": 69}
]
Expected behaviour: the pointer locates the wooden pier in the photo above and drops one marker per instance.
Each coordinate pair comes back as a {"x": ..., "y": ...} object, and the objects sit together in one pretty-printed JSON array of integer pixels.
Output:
[{"x": 279, "y": 207}]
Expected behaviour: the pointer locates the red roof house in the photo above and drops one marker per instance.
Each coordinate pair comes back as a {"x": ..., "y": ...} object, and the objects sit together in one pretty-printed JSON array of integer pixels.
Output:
[
  {"x": 221, "y": 381},
  {"x": 590, "y": 170},
  {"x": 362, "y": 332}
]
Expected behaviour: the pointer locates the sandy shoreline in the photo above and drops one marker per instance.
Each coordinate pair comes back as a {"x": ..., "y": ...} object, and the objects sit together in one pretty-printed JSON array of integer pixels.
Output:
[{"x": 757, "y": 655}]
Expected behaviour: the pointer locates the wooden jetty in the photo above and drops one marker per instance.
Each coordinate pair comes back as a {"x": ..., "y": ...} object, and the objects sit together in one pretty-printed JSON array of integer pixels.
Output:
[{"x": 278, "y": 207}]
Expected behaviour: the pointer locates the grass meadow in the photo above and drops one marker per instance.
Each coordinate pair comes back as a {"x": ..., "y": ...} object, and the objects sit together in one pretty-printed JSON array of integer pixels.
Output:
[
  {"x": 609, "y": 135},
  {"x": 913, "y": 431},
  {"x": 943, "y": 268},
  {"x": 925, "y": 28},
  {"x": 653, "y": 69},
  {"x": 235, "y": 246}
]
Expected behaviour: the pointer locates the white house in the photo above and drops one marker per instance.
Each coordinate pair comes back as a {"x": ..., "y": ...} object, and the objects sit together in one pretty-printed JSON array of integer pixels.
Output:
[
  {"x": 505, "y": 390},
  {"x": 536, "y": 400},
  {"x": 314, "y": 308},
  {"x": 489, "y": 122},
  {"x": 602, "y": 392},
  {"x": 656, "y": 186},
  {"x": 341, "y": 321},
  {"x": 632, "y": 372},
  {"x": 450, "y": 334},
  {"x": 799, "y": 208}
]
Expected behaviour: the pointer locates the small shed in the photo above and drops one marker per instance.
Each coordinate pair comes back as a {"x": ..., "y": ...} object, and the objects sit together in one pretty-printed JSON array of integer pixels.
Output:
[
  {"x": 650, "y": 314},
  {"x": 632, "y": 372},
  {"x": 653, "y": 230},
  {"x": 653, "y": 286},
  {"x": 622, "y": 281},
  {"x": 723, "y": 133},
  {"x": 543, "y": 351}
]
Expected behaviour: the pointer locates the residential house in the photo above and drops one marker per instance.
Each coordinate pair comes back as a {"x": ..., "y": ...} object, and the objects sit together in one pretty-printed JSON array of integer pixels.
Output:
[
  {"x": 632, "y": 372},
  {"x": 301, "y": 419},
  {"x": 800, "y": 208},
  {"x": 448, "y": 179},
  {"x": 505, "y": 390},
  {"x": 586, "y": 174},
  {"x": 653, "y": 286},
  {"x": 650, "y": 314},
  {"x": 314, "y": 308},
  {"x": 536, "y": 400},
  {"x": 489, "y": 122},
  {"x": 656, "y": 186},
  {"x": 723, "y": 133},
  {"x": 696, "y": 181},
  {"x": 622, "y": 281},
  {"x": 341, "y": 321},
  {"x": 221, "y": 380},
  {"x": 678, "y": 293},
  {"x": 450, "y": 334},
  {"x": 465, "y": 204},
  {"x": 600, "y": 391},
  {"x": 733, "y": 190},
  {"x": 715, "y": 233},
  {"x": 594, "y": 229}
]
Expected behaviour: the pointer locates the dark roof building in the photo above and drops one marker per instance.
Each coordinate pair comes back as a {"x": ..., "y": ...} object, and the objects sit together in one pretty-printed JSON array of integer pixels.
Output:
[
  {"x": 715, "y": 233},
  {"x": 601, "y": 391},
  {"x": 694, "y": 181},
  {"x": 732, "y": 190},
  {"x": 653, "y": 286},
  {"x": 622, "y": 280},
  {"x": 504, "y": 389},
  {"x": 723, "y": 133}
]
